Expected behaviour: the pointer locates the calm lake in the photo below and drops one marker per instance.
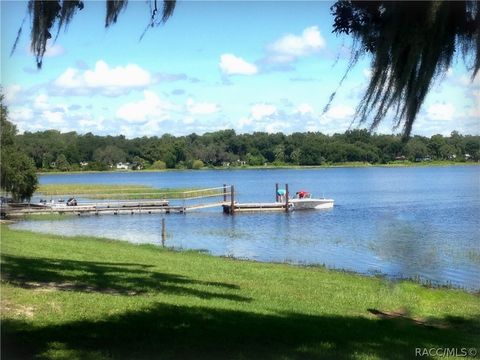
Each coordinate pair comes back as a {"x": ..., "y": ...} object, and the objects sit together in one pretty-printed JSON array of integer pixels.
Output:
[{"x": 418, "y": 223}]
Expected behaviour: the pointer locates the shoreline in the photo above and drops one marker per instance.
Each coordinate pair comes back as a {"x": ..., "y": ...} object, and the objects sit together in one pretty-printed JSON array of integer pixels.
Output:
[
  {"x": 385, "y": 277},
  {"x": 276, "y": 167}
]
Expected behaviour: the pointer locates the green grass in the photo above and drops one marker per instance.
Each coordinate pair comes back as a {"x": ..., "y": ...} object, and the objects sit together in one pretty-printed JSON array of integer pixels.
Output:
[
  {"x": 127, "y": 192},
  {"x": 86, "y": 298}
]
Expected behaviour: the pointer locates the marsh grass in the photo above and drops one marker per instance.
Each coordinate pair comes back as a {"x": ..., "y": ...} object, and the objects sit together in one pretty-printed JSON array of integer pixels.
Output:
[
  {"x": 101, "y": 299},
  {"x": 126, "y": 192},
  {"x": 46, "y": 217}
]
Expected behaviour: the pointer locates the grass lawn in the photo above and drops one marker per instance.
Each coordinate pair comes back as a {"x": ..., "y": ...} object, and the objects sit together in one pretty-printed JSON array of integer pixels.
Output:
[{"x": 86, "y": 298}]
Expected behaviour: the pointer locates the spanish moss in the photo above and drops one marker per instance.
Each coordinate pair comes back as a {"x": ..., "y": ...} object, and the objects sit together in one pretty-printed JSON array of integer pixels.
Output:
[
  {"x": 114, "y": 7},
  {"x": 46, "y": 14},
  {"x": 411, "y": 44}
]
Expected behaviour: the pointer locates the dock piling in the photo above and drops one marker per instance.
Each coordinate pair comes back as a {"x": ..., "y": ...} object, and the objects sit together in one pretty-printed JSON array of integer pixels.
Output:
[
  {"x": 286, "y": 197},
  {"x": 232, "y": 200},
  {"x": 164, "y": 232}
]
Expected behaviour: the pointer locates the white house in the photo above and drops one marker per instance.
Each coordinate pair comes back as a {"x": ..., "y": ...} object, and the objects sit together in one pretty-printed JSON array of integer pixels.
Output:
[{"x": 123, "y": 166}]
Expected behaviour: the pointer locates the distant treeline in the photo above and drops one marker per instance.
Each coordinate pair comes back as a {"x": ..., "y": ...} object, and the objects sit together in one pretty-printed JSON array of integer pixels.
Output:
[{"x": 52, "y": 150}]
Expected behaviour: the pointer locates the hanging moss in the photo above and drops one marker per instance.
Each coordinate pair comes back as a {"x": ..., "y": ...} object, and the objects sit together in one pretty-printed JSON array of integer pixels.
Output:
[
  {"x": 411, "y": 44},
  {"x": 46, "y": 14}
]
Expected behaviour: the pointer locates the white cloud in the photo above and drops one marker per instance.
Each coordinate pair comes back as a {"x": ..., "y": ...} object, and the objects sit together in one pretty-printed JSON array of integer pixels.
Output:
[
  {"x": 259, "y": 111},
  {"x": 112, "y": 81},
  {"x": 339, "y": 112},
  {"x": 201, "y": 108},
  {"x": 89, "y": 123},
  {"x": 245, "y": 121},
  {"x": 466, "y": 80},
  {"x": 234, "y": 65},
  {"x": 54, "y": 117},
  {"x": 312, "y": 126},
  {"x": 441, "y": 111},
  {"x": 19, "y": 115},
  {"x": 51, "y": 50},
  {"x": 151, "y": 107},
  {"x": 11, "y": 93},
  {"x": 276, "y": 126},
  {"x": 289, "y": 47},
  {"x": 304, "y": 108},
  {"x": 41, "y": 102},
  {"x": 54, "y": 50},
  {"x": 188, "y": 120}
]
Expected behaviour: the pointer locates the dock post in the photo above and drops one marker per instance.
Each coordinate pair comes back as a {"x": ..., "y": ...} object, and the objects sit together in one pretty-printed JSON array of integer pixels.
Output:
[
  {"x": 286, "y": 197},
  {"x": 232, "y": 200},
  {"x": 276, "y": 192},
  {"x": 164, "y": 233},
  {"x": 224, "y": 193}
]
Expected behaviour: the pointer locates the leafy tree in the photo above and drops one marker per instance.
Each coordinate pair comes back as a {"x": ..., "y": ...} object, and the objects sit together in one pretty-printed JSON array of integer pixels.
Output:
[
  {"x": 447, "y": 152},
  {"x": 170, "y": 159},
  {"x": 138, "y": 163},
  {"x": 17, "y": 174},
  {"x": 416, "y": 148},
  {"x": 255, "y": 160},
  {"x": 435, "y": 144},
  {"x": 62, "y": 163},
  {"x": 472, "y": 147},
  {"x": 17, "y": 171},
  {"x": 96, "y": 166},
  {"x": 110, "y": 155},
  {"x": 279, "y": 153}
]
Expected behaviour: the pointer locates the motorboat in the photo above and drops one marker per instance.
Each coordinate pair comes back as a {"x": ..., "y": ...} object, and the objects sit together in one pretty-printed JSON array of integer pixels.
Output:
[{"x": 303, "y": 200}]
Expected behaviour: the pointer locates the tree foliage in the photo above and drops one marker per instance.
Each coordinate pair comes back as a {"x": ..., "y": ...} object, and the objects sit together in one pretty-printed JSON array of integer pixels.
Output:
[
  {"x": 411, "y": 44},
  {"x": 226, "y": 148},
  {"x": 17, "y": 171}
]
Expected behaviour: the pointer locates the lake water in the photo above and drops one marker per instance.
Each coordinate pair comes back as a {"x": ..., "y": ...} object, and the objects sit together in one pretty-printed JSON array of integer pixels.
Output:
[{"x": 418, "y": 223}]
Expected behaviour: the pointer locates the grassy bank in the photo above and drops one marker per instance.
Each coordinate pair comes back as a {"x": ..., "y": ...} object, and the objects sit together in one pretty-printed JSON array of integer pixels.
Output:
[
  {"x": 406, "y": 163},
  {"x": 112, "y": 191},
  {"x": 81, "y": 298}
]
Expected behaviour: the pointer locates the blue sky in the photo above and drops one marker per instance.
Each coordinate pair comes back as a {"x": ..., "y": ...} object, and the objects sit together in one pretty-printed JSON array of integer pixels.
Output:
[{"x": 249, "y": 66}]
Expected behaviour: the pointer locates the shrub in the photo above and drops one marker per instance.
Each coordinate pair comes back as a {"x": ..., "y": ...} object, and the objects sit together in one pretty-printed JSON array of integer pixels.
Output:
[
  {"x": 159, "y": 165},
  {"x": 197, "y": 164}
]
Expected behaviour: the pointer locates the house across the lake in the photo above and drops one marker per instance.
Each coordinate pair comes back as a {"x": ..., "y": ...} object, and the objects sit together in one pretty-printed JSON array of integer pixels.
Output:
[{"x": 123, "y": 166}]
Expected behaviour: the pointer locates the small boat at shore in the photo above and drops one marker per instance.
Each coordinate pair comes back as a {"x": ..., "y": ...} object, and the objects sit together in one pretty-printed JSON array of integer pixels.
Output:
[{"x": 303, "y": 200}]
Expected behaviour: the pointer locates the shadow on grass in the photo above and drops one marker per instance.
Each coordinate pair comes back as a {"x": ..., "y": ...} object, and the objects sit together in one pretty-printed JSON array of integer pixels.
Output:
[
  {"x": 109, "y": 278},
  {"x": 178, "y": 332}
]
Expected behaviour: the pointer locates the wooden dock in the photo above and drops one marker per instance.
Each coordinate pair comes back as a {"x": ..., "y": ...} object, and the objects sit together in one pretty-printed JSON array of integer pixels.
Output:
[
  {"x": 115, "y": 208},
  {"x": 251, "y": 207},
  {"x": 189, "y": 201}
]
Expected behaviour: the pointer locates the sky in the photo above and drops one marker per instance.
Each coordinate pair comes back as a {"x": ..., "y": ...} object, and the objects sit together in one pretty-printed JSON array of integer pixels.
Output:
[{"x": 248, "y": 66}]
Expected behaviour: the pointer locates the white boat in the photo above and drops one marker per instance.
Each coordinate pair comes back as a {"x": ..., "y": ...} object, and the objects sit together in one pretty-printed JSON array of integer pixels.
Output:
[{"x": 304, "y": 200}]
